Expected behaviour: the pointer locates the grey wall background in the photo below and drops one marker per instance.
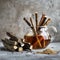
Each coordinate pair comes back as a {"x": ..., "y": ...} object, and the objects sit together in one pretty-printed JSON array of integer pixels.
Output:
[{"x": 13, "y": 11}]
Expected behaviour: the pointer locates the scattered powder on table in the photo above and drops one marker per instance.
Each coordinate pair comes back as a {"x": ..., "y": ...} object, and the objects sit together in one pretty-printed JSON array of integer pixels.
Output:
[{"x": 47, "y": 51}]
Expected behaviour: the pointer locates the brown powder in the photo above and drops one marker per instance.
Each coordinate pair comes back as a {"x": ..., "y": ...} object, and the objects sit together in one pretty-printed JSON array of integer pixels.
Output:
[{"x": 47, "y": 51}]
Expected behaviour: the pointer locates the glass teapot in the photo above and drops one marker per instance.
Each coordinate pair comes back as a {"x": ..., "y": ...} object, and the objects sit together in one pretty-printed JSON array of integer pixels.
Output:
[{"x": 44, "y": 38}]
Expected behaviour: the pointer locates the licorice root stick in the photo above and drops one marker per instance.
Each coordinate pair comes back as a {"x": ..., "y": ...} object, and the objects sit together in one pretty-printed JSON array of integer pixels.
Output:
[
  {"x": 10, "y": 42},
  {"x": 42, "y": 23},
  {"x": 9, "y": 47},
  {"x": 42, "y": 19},
  {"x": 38, "y": 41},
  {"x": 36, "y": 19},
  {"x": 26, "y": 21},
  {"x": 32, "y": 26},
  {"x": 13, "y": 38},
  {"x": 47, "y": 22}
]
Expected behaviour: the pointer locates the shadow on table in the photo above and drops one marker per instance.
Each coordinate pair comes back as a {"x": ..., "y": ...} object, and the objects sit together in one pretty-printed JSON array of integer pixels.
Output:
[{"x": 3, "y": 49}]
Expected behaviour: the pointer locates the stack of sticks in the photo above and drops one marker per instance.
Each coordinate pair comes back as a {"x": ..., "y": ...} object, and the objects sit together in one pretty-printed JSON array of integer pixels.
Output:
[
  {"x": 40, "y": 23},
  {"x": 36, "y": 30},
  {"x": 13, "y": 43}
]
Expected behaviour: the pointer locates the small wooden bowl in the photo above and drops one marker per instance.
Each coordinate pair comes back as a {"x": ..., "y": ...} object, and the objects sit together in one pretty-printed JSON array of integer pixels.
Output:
[{"x": 34, "y": 43}]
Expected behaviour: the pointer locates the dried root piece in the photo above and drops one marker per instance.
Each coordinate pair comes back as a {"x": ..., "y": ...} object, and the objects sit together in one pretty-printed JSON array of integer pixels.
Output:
[
  {"x": 9, "y": 47},
  {"x": 47, "y": 22},
  {"x": 13, "y": 38},
  {"x": 27, "y": 22},
  {"x": 12, "y": 46},
  {"x": 43, "y": 18},
  {"x": 33, "y": 29},
  {"x": 38, "y": 41},
  {"x": 26, "y": 46},
  {"x": 10, "y": 42},
  {"x": 36, "y": 19},
  {"x": 19, "y": 49}
]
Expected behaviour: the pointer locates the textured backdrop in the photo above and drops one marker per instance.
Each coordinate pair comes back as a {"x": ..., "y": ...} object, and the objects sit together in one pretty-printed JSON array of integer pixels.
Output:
[{"x": 13, "y": 11}]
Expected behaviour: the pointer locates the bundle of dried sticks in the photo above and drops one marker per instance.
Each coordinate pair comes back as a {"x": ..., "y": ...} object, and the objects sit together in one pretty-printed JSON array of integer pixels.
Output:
[
  {"x": 42, "y": 22},
  {"x": 13, "y": 44}
]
